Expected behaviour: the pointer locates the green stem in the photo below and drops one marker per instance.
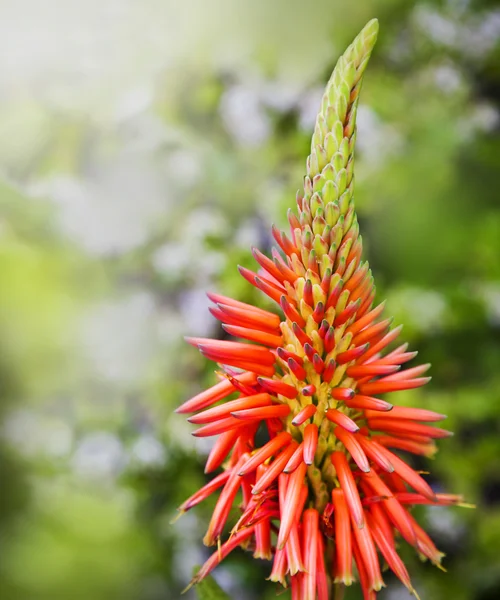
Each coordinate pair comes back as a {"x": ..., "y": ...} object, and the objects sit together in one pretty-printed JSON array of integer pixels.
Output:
[{"x": 338, "y": 591}]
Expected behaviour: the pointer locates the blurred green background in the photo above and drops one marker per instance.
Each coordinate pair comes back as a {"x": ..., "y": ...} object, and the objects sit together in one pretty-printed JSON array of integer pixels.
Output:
[{"x": 144, "y": 146}]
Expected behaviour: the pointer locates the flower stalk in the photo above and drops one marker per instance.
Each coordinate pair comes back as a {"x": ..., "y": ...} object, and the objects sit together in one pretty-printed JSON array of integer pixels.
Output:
[{"x": 324, "y": 496}]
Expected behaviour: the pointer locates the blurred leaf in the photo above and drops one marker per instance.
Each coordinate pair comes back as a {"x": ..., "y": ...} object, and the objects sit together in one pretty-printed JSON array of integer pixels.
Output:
[{"x": 208, "y": 589}]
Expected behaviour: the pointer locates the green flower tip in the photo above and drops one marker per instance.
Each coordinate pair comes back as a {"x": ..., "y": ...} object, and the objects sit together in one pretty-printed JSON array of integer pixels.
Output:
[{"x": 329, "y": 181}]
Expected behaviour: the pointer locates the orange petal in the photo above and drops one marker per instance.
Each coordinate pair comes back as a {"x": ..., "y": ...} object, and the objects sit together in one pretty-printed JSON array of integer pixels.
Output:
[
  {"x": 262, "y": 412},
  {"x": 348, "y": 485},
  {"x": 310, "y": 534},
  {"x": 284, "y": 243},
  {"x": 342, "y": 393},
  {"x": 366, "y": 402},
  {"x": 373, "y": 452},
  {"x": 368, "y": 593},
  {"x": 396, "y": 513},
  {"x": 282, "y": 439},
  {"x": 280, "y": 568},
  {"x": 409, "y": 475},
  {"x": 380, "y": 345},
  {"x": 295, "y": 460},
  {"x": 408, "y": 373},
  {"x": 388, "y": 551},
  {"x": 369, "y": 558},
  {"x": 339, "y": 418},
  {"x": 288, "y": 511},
  {"x": 343, "y": 542},
  {"x": 413, "y": 414},
  {"x": 370, "y": 370},
  {"x": 224, "y": 410},
  {"x": 247, "y": 317},
  {"x": 221, "y": 449},
  {"x": 352, "y": 354},
  {"x": 368, "y": 334},
  {"x": 406, "y": 426},
  {"x": 275, "y": 469},
  {"x": 221, "y": 553},
  {"x": 254, "y": 335},
  {"x": 310, "y": 442},
  {"x": 292, "y": 547},
  {"x": 304, "y": 414},
  {"x": 348, "y": 312},
  {"x": 366, "y": 320},
  {"x": 297, "y": 369},
  {"x": 275, "y": 386},
  {"x": 224, "y": 504},
  {"x": 214, "y": 394},
  {"x": 217, "y": 427},
  {"x": 223, "y": 349},
  {"x": 321, "y": 579},
  {"x": 383, "y": 387},
  {"x": 354, "y": 448},
  {"x": 264, "y": 314},
  {"x": 424, "y": 449},
  {"x": 205, "y": 491},
  {"x": 291, "y": 312}
]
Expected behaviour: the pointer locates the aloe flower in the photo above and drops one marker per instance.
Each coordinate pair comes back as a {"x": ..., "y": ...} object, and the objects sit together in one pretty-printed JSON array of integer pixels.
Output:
[{"x": 305, "y": 443}]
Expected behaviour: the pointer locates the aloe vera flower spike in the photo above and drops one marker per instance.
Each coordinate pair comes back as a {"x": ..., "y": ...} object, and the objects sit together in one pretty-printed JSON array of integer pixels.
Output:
[{"x": 326, "y": 496}]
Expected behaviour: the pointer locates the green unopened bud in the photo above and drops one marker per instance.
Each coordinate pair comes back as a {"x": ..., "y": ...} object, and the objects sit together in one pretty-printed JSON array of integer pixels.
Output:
[
  {"x": 315, "y": 203},
  {"x": 304, "y": 255},
  {"x": 344, "y": 150},
  {"x": 343, "y": 252},
  {"x": 337, "y": 234},
  {"x": 338, "y": 132},
  {"x": 326, "y": 234},
  {"x": 325, "y": 264},
  {"x": 305, "y": 310},
  {"x": 349, "y": 219},
  {"x": 339, "y": 374},
  {"x": 328, "y": 173},
  {"x": 350, "y": 171},
  {"x": 340, "y": 106},
  {"x": 331, "y": 120},
  {"x": 330, "y": 194},
  {"x": 297, "y": 233},
  {"x": 312, "y": 276},
  {"x": 342, "y": 303},
  {"x": 350, "y": 126},
  {"x": 297, "y": 265},
  {"x": 344, "y": 201},
  {"x": 331, "y": 145},
  {"x": 318, "y": 225},
  {"x": 341, "y": 180},
  {"x": 299, "y": 287},
  {"x": 318, "y": 294},
  {"x": 344, "y": 91},
  {"x": 349, "y": 74},
  {"x": 320, "y": 246},
  {"x": 322, "y": 444},
  {"x": 317, "y": 341},
  {"x": 332, "y": 213},
  {"x": 318, "y": 183},
  {"x": 334, "y": 282},
  {"x": 338, "y": 162},
  {"x": 304, "y": 218},
  {"x": 312, "y": 164},
  {"x": 288, "y": 336},
  {"x": 350, "y": 269},
  {"x": 308, "y": 187},
  {"x": 322, "y": 158},
  {"x": 320, "y": 130}
]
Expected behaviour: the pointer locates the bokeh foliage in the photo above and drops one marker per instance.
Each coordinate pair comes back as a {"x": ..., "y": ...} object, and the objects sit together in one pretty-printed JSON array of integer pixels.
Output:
[{"x": 143, "y": 151}]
